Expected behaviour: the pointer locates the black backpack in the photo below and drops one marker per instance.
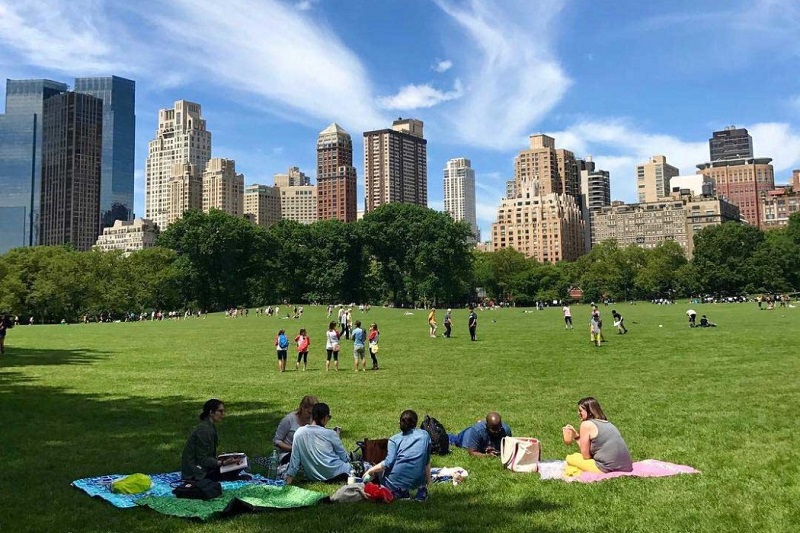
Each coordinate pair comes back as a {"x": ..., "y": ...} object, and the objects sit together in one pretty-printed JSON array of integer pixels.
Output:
[{"x": 440, "y": 441}]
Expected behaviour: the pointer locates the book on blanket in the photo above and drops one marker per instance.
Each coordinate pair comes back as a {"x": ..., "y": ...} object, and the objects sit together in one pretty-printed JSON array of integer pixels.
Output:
[{"x": 239, "y": 462}]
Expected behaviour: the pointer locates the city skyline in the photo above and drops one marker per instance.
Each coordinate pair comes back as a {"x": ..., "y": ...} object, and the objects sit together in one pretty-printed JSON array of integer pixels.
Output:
[{"x": 481, "y": 75}]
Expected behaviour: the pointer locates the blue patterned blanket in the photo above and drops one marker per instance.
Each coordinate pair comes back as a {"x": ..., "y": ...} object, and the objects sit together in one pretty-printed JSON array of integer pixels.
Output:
[{"x": 100, "y": 487}]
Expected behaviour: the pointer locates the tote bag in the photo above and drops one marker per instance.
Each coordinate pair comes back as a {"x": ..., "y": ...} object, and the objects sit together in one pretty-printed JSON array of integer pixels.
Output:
[{"x": 520, "y": 454}]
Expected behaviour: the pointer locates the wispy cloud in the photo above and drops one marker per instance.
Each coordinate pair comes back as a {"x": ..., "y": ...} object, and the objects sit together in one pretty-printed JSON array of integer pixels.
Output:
[
  {"x": 443, "y": 66},
  {"x": 514, "y": 77},
  {"x": 265, "y": 49},
  {"x": 421, "y": 96}
]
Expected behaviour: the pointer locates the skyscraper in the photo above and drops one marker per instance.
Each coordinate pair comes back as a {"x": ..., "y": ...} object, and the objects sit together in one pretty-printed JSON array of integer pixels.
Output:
[
  {"x": 181, "y": 137},
  {"x": 336, "y": 175},
  {"x": 185, "y": 191},
  {"x": 395, "y": 165},
  {"x": 292, "y": 178},
  {"x": 263, "y": 204},
  {"x": 652, "y": 179},
  {"x": 459, "y": 192},
  {"x": 223, "y": 188},
  {"x": 543, "y": 220},
  {"x": 21, "y": 160},
  {"x": 119, "y": 142},
  {"x": 730, "y": 143},
  {"x": 71, "y": 170},
  {"x": 595, "y": 193}
]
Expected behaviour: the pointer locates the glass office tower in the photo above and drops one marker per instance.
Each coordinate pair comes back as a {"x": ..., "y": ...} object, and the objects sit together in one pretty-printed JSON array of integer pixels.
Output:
[
  {"x": 119, "y": 140},
  {"x": 21, "y": 160}
]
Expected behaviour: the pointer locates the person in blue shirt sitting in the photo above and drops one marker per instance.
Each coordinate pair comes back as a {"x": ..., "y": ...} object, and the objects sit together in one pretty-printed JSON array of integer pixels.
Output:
[
  {"x": 318, "y": 450},
  {"x": 408, "y": 461},
  {"x": 483, "y": 439}
]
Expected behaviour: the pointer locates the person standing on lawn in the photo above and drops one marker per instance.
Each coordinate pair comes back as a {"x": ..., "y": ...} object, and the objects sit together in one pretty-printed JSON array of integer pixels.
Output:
[
  {"x": 374, "y": 337},
  {"x": 448, "y": 323},
  {"x": 432, "y": 322},
  {"x": 472, "y": 323}
]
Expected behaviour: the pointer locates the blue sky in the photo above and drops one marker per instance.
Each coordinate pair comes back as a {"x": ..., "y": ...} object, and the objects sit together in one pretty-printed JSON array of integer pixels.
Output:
[{"x": 620, "y": 81}]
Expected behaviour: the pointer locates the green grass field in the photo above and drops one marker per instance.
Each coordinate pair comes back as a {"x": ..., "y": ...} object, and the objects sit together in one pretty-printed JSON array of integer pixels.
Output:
[{"x": 86, "y": 400}]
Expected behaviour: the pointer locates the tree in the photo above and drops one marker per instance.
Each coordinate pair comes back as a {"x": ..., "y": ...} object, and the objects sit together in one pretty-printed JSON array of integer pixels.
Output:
[
  {"x": 723, "y": 257},
  {"x": 658, "y": 276}
]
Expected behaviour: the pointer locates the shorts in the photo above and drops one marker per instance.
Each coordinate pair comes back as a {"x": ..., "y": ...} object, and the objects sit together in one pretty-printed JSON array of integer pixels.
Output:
[
  {"x": 281, "y": 355},
  {"x": 333, "y": 354},
  {"x": 358, "y": 352}
]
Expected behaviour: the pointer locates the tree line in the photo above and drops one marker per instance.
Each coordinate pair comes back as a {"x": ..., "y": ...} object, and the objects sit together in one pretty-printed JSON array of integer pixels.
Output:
[{"x": 399, "y": 254}]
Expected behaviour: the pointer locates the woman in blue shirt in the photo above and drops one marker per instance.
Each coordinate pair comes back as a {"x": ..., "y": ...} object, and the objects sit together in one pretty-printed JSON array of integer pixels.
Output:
[{"x": 408, "y": 461}]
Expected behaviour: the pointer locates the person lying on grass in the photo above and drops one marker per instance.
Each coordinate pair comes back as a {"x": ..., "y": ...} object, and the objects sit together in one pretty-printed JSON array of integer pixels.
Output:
[
  {"x": 602, "y": 448},
  {"x": 483, "y": 438},
  {"x": 408, "y": 461}
]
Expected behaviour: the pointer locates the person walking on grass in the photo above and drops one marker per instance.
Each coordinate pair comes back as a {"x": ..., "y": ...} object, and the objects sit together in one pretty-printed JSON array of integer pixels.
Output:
[
  {"x": 432, "y": 322},
  {"x": 595, "y": 332},
  {"x": 619, "y": 322},
  {"x": 472, "y": 323},
  {"x": 567, "y": 317},
  {"x": 359, "y": 340},
  {"x": 303, "y": 342},
  {"x": 332, "y": 347},
  {"x": 448, "y": 323},
  {"x": 374, "y": 337},
  {"x": 282, "y": 347}
]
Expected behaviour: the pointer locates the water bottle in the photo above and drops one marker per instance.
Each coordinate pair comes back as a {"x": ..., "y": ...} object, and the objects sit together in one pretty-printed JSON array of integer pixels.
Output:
[
  {"x": 351, "y": 479},
  {"x": 272, "y": 471}
]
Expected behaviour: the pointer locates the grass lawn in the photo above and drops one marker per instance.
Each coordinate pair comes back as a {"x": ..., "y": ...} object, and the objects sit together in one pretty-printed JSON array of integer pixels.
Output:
[{"x": 86, "y": 400}]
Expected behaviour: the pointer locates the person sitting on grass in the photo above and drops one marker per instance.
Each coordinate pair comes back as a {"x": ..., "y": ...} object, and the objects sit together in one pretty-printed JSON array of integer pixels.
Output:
[
  {"x": 199, "y": 458},
  {"x": 284, "y": 435},
  {"x": 602, "y": 448},
  {"x": 704, "y": 323},
  {"x": 408, "y": 461},
  {"x": 483, "y": 438},
  {"x": 318, "y": 451}
]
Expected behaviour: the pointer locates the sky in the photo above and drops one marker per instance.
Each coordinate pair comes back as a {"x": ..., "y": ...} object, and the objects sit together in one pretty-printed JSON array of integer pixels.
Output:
[{"x": 619, "y": 81}]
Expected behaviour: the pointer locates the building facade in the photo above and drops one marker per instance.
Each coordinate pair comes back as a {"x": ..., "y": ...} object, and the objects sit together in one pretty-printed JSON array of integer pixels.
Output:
[
  {"x": 293, "y": 178},
  {"x": 119, "y": 144},
  {"x": 653, "y": 179},
  {"x": 742, "y": 182},
  {"x": 128, "y": 236},
  {"x": 730, "y": 143},
  {"x": 72, "y": 130},
  {"x": 185, "y": 191},
  {"x": 181, "y": 138},
  {"x": 779, "y": 204},
  {"x": 396, "y": 165},
  {"x": 459, "y": 193},
  {"x": 649, "y": 224},
  {"x": 299, "y": 203},
  {"x": 223, "y": 188},
  {"x": 336, "y": 175},
  {"x": 595, "y": 193},
  {"x": 263, "y": 204},
  {"x": 21, "y": 160},
  {"x": 698, "y": 184}
]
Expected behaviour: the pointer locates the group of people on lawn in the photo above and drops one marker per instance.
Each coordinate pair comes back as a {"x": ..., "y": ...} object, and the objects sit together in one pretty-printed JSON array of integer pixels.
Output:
[{"x": 305, "y": 443}]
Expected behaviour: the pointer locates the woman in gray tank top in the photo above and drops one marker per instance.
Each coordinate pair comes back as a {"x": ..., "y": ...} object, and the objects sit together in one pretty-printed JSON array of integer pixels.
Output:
[{"x": 602, "y": 448}]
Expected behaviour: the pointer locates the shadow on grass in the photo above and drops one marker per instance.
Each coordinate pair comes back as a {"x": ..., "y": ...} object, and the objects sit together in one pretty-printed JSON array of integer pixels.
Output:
[
  {"x": 20, "y": 357},
  {"x": 52, "y": 436}
]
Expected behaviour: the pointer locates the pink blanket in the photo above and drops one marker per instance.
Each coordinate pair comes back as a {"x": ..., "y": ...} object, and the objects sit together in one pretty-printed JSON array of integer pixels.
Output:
[{"x": 646, "y": 468}]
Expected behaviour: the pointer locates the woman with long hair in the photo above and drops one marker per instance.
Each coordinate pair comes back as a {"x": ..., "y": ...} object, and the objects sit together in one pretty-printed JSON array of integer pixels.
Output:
[
  {"x": 602, "y": 448},
  {"x": 332, "y": 347},
  {"x": 284, "y": 435}
]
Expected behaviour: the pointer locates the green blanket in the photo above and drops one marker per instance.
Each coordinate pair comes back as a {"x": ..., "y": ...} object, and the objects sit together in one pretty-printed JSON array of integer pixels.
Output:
[{"x": 245, "y": 499}]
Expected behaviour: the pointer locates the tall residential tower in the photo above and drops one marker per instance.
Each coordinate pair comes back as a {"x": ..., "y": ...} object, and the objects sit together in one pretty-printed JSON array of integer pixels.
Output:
[
  {"x": 336, "y": 175},
  {"x": 395, "y": 165},
  {"x": 181, "y": 138},
  {"x": 459, "y": 193}
]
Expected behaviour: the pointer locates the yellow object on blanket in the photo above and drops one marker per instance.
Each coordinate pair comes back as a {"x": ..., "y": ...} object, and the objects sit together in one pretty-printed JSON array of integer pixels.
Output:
[
  {"x": 133, "y": 484},
  {"x": 577, "y": 465}
]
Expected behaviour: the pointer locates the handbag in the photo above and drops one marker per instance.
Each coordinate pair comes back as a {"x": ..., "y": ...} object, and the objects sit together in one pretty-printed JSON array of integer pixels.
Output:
[
  {"x": 374, "y": 348},
  {"x": 202, "y": 489},
  {"x": 335, "y": 348},
  {"x": 520, "y": 454},
  {"x": 373, "y": 451}
]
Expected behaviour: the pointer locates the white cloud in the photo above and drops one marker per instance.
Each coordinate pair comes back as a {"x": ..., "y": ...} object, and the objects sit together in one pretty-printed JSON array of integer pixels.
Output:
[
  {"x": 305, "y": 5},
  {"x": 418, "y": 96},
  {"x": 264, "y": 49},
  {"x": 515, "y": 79},
  {"x": 443, "y": 66}
]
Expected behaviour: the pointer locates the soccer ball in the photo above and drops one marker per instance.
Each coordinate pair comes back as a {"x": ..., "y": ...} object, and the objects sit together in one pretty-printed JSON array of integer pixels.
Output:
[{"x": 661, "y": 325}]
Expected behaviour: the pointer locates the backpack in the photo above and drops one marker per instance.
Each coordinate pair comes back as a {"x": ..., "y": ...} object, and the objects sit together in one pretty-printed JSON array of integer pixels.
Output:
[{"x": 440, "y": 441}]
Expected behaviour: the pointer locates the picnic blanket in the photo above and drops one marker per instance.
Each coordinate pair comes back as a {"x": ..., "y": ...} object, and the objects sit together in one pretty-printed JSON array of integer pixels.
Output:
[
  {"x": 646, "y": 468},
  {"x": 249, "y": 498},
  {"x": 100, "y": 487}
]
